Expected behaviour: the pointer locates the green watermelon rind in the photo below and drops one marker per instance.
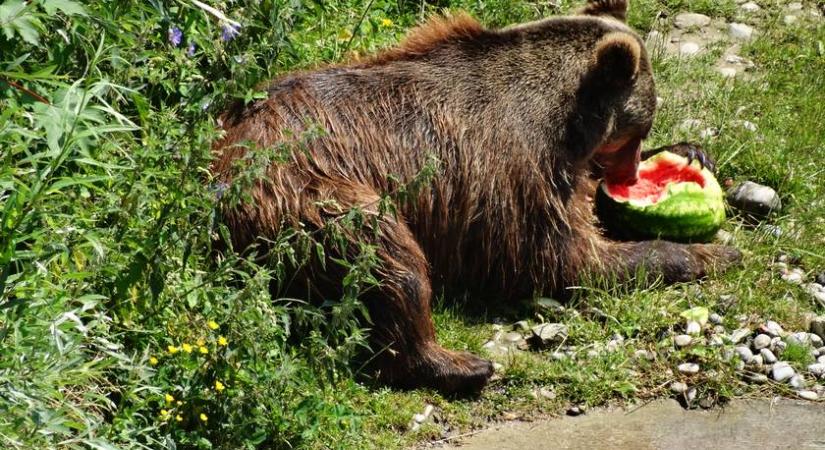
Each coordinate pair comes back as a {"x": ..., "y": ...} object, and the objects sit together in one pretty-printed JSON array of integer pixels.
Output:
[{"x": 686, "y": 211}]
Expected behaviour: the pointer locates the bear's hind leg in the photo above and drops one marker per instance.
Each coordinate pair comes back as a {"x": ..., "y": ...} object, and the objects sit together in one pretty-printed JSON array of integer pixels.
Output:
[{"x": 402, "y": 335}]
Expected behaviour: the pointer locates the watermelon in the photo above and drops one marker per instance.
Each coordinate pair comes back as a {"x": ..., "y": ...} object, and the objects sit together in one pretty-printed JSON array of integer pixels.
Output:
[{"x": 671, "y": 199}]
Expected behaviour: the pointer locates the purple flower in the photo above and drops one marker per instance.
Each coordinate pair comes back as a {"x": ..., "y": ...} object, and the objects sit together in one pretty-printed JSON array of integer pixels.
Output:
[
  {"x": 175, "y": 35},
  {"x": 230, "y": 31},
  {"x": 190, "y": 49},
  {"x": 219, "y": 189}
]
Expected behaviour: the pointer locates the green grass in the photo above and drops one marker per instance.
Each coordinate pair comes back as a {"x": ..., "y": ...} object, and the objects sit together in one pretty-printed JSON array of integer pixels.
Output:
[{"x": 107, "y": 216}]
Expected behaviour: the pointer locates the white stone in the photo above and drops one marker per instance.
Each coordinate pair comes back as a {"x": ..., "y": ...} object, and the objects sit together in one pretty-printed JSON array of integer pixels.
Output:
[
  {"x": 789, "y": 19},
  {"x": 773, "y": 329},
  {"x": 797, "y": 381},
  {"x": 745, "y": 354},
  {"x": 816, "y": 341},
  {"x": 767, "y": 356},
  {"x": 740, "y": 31},
  {"x": 750, "y": 126},
  {"x": 689, "y": 49},
  {"x": 761, "y": 341},
  {"x": 750, "y": 7},
  {"x": 727, "y": 72},
  {"x": 795, "y": 6},
  {"x": 756, "y": 360},
  {"x": 677, "y": 387},
  {"x": 808, "y": 395},
  {"x": 739, "y": 334},
  {"x": 688, "y": 368},
  {"x": 821, "y": 359},
  {"x": 716, "y": 319},
  {"x": 682, "y": 340},
  {"x": 817, "y": 369},
  {"x": 688, "y": 20},
  {"x": 693, "y": 327},
  {"x": 782, "y": 371}
]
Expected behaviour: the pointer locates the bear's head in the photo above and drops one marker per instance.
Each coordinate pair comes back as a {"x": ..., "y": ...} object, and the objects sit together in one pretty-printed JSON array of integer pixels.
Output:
[{"x": 619, "y": 84}]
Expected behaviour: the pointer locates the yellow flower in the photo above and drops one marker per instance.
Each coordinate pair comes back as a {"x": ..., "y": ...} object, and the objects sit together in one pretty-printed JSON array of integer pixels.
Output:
[
  {"x": 219, "y": 386},
  {"x": 344, "y": 35},
  {"x": 169, "y": 398},
  {"x": 178, "y": 402},
  {"x": 204, "y": 417},
  {"x": 222, "y": 341},
  {"x": 164, "y": 414},
  {"x": 153, "y": 361},
  {"x": 178, "y": 418},
  {"x": 200, "y": 342},
  {"x": 386, "y": 23},
  {"x": 186, "y": 347},
  {"x": 172, "y": 349},
  {"x": 212, "y": 325},
  {"x": 203, "y": 349}
]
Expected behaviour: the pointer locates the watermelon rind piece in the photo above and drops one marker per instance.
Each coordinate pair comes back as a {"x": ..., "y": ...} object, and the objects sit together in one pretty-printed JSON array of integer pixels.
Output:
[{"x": 685, "y": 212}]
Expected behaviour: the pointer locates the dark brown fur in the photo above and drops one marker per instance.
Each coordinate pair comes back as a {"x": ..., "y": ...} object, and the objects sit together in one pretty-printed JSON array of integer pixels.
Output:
[{"x": 515, "y": 117}]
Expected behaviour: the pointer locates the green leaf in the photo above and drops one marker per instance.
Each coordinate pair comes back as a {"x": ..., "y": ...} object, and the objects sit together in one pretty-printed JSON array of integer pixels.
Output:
[
  {"x": 698, "y": 314},
  {"x": 68, "y": 7},
  {"x": 16, "y": 17}
]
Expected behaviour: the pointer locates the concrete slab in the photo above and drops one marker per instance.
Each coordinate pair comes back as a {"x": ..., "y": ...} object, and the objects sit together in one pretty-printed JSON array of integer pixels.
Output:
[{"x": 664, "y": 424}]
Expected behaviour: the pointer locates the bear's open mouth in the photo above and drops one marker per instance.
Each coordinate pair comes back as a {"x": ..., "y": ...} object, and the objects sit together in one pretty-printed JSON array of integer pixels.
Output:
[{"x": 620, "y": 159}]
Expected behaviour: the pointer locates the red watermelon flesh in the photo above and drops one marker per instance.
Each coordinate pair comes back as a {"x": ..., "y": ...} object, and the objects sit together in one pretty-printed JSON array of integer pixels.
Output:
[{"x": 652, "y": 181}]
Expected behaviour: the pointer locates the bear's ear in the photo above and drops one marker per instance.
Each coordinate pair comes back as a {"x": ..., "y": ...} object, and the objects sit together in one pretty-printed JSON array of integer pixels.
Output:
[
  {"x": 613, "y": 8},
  {"x": 617, "y": 58}
]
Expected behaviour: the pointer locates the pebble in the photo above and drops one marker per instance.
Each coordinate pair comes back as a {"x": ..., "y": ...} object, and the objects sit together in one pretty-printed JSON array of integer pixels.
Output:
[
  {"x": 761, "y": 341},
  {"x": 709, "y": 133},
  {"x": 592, "y": 354},
  {"x": 756, "y": 378},
  {"x": 767, "y": 356},
  {"x": 716, "y": 319},
  {"x": 576, "y": 410},
  {"x": 750, "y": 7},
  {"x": 820, "y": 279},
  {"x": 691, "y": 395},
  {"x": 688, "y": 368},
  {"x": 750, "y": 126},
  {"x": 789, "y": 19},
  {"x": 756, "y": 361},
  {"x": 690, "y": 124},
  {"x": 772, "y": 329},
  {"x": 754, "y": 198},
  {"x": 782, "y": 371},
  {"x": 682, "y": 340},
  {"x": 821, "y": 359},
  {"x": 738, "y": 335},
  {"x": 688, "y": 20},
  {"x": 800, "y": 338},
  {"x": 677, "y": 387},
  {"x": 544, "y": 392},
  {"x": 817, "y": 369},
  {"x": 548, "y": 333},
  {"x": 644, "y": 354},
  {"x": 745, "y": 354},
  {"x": 513, "y": 337},
  {"x": 558, "y": 356},
  {"x": 795, "y": 6},
  {"x": 808, "y": 395},
  {"x": 740, "y": 31},
  {"x": 816, "y": 341},
  {"x": 797, "y": 381},
  {"x": 727, "y": 72},
  {"x": 779, "y": 345},
  {"x": 793, "y": 277},
  {"x": 689, "y": 49},
  {"x": 716, "y": 341},
  {"x": 693, "y": 327}
]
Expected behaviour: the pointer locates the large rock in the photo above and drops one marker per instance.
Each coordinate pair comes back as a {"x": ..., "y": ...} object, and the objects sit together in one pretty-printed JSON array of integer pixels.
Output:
[
  {"x": 740, "y": 31},
  {"x": 549, "y": 333},
  {"x": 755, "y": 199},
  {"x": 690, "y": 20}
]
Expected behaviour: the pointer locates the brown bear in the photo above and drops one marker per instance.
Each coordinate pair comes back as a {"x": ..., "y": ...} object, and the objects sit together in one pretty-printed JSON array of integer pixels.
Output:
[{"x": 515, "y": 117}]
